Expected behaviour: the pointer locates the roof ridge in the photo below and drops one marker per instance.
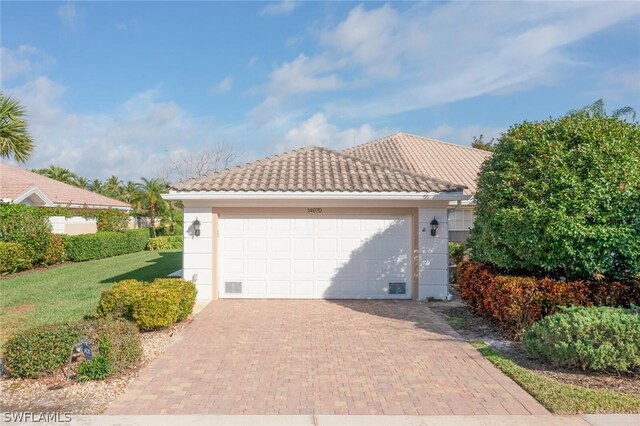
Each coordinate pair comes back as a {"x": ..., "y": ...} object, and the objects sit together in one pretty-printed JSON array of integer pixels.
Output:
[
  {"x": 390, "y": 168},
  {"x": 389, "y": 137}
]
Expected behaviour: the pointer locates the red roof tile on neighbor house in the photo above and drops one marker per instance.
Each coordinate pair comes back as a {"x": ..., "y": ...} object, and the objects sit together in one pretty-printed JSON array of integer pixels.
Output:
[
  {"x": 15, "y": 182},
  {"x": 429, "y": 157},
  {"x": 316, "y": 169}
]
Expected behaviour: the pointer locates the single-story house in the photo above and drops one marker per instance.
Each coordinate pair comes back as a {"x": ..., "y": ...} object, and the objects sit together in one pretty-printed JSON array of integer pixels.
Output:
[
  {"x": 368, "y": 222},
  {"x": 23, "y": 186}
]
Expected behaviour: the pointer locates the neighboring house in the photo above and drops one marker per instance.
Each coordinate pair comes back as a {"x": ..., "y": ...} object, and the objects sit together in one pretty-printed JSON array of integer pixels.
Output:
[
  {"x": 370, "y": 222},
  {"x": 434, "y": 158},
  {"x": 23, "y": 186}
]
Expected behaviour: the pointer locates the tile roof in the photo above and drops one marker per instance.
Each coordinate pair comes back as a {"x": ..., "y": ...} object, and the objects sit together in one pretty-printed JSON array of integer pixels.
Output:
[
  {"x": 15, "y": 181},
  {"x": 429, "y": 157},
  {"x": 316, "y": 169}
]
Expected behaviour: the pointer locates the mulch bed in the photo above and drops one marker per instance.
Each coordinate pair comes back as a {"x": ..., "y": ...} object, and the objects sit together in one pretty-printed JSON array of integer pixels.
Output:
[{"x": 472, "y": 327}]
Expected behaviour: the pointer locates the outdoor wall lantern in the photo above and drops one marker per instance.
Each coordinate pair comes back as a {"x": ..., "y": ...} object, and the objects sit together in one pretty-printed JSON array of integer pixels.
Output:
[
  {"x": 196, "y": 227},
  {"x": 434, "y": 227}
]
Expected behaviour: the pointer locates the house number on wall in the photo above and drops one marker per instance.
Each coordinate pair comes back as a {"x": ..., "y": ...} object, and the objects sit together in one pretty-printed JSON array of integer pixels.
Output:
[{"x": 314, "y": 210}]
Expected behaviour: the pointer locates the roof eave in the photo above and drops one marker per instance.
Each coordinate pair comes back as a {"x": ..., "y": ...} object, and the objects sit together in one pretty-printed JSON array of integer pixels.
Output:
[{"x": 457, "y": 195}]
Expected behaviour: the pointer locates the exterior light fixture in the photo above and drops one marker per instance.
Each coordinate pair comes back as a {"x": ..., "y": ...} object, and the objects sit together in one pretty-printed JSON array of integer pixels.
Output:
[
  {"x": 196, "y": 227},
  {"x": 434, "y": 227}
]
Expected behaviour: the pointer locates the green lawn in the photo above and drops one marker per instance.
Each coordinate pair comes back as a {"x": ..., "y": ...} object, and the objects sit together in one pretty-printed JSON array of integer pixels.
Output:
[
  {"x": 71, "y": 291},
  {"x": 558, "y": 397}
]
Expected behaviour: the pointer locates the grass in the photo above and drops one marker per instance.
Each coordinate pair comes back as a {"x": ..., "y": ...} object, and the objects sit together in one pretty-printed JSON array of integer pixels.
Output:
[
  {"x": 71, "y": 291},
  {"x": 558, "y": 397},
  {"x": 456, "y": 322}
]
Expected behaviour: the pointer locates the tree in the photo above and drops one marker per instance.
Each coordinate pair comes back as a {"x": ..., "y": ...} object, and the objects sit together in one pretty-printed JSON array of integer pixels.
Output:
[
  {"x": 562, "y": 196},
  {"x": 96, "y": 186},
  {"x": 81, "y": 182},
  {"x": 598, "y": 109},
  {"x": 112, "y": 185},
  {"x": 58, "y": 173},
  {"x": 194, "y": 164},
  {"x": 151, "y": 191},
  {"x": 479, "y": 143},
  {"x": 15, "y": 141}
]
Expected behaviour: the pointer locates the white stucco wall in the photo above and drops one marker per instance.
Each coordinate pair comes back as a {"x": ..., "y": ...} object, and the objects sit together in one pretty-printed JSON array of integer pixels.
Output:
[
  {"x": 434, "y": 254},
  {"x": 197, "y": 255}
]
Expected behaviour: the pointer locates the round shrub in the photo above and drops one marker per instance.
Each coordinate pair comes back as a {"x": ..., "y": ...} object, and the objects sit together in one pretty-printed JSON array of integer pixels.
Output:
[
  {"x": 117, "y": 301},
  {"x": 165, "y": 243},
  {"x": 41, "y": 350},
  {"x": 562, "y": 196},
  {"x": 13, "y": 258},
  {"x": 96, "y": 369},
  {"x": 185, "y": 290},
  {"x": 118, "y": 341},
  {"x": 156, "y": 307},
  {"x": 595, "y": 339}
]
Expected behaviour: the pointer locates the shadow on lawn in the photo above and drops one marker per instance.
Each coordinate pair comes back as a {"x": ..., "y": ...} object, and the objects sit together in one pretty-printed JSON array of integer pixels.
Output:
[{"x": 159, "y": 267}]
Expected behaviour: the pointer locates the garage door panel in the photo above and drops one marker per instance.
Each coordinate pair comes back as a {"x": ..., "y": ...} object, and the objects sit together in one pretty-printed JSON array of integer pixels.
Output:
[{"x": 335, "y": 257}]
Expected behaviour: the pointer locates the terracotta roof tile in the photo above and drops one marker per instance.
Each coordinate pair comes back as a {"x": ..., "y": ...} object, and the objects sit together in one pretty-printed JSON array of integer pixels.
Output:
[
  {"x": 316, "y": 169},
  {"x": 15, "y": 181},
  {"x": 429, "y": 157}
]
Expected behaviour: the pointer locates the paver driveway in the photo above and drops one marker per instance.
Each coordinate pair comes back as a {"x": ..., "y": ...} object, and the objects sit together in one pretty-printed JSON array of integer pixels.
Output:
[{"x": 321, "y": 357}]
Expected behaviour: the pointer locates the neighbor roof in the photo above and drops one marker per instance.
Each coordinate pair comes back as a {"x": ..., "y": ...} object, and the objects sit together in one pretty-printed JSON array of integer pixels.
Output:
[
  {"x": 16, "y": 182},
  {"x": 425, "y": 156},
  {"x": 316, "y": 169}
]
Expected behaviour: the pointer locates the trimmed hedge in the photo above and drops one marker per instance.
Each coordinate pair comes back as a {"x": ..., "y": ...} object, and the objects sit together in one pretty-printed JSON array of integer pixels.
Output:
[
  {"x": 13, "y": 258},
  {"x": 29, "y": 226},
  {"x": 165, "y": 243},
  {"x": 151, "y": 306},
  {"x": 597, "y": 339},
  {"x": 55, "y": 251},
  {"x": 516, "y": 302},
  {"x": 41, "y": 350},
  {"x": 104, "y": 244}
]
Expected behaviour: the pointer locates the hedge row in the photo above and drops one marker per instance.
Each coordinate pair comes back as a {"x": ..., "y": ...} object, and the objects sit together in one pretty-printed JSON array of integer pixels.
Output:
[
  {"x": 517, "y": 302},
  {"x": 165, "y": 243},
  {"x": 104, "y": 244}
]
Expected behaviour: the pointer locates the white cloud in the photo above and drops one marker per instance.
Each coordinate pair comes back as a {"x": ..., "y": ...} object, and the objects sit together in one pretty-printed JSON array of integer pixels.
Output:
[
  {"x": 431, "y": 54},
  {"x": 285, "y": 7},
  {"x": 252, "y": 61},
  {"x": 317, "y": 130},
  {"x": 69, "y": 15},
  {"x": 129, "y": 141},
  {"x": 23, "y": 60},
  {"x": 223, "y": 86}
]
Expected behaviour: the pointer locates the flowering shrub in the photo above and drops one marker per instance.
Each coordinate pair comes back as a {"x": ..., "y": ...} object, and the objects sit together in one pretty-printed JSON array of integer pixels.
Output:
[{"x": 112, "y": 220}]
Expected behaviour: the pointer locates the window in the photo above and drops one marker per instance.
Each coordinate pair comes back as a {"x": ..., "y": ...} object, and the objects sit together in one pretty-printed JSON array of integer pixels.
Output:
[{"x": 461, "y": 220}]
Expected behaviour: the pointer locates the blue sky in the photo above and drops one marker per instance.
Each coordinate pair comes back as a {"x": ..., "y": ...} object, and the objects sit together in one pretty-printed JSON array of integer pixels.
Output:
[{"x": 118, "y": 87}]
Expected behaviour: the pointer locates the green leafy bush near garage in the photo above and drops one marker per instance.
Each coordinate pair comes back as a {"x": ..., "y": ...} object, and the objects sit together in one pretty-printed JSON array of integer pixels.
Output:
[
  {"x": 597, "y": 339},
  {"x": 104, "y": 244},
  {"x": 562, "y": 197},
  {"x": 172, "y": 242},
  {"x": 151, "y": 306}
]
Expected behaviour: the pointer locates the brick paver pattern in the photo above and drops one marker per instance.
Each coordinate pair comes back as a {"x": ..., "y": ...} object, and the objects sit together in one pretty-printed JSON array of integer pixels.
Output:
[{"x": 321, "y": 357}]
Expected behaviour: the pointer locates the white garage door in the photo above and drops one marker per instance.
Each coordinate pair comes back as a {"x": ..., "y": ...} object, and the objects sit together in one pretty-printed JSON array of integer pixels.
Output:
[{"x": 338, "y": 257}]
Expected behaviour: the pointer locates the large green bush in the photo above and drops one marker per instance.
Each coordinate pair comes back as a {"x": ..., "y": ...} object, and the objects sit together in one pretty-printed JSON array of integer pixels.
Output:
[
  {"x": 165, "y": 243},
  {"x": 588, "y": 338},
  {"x": 562, "y": 196},
  {"x": 13, "y": 258},
  {"x": 41, "y": 350},
  {"x": 28, "y": 226},
  {"x": 154, "y": 305},
  {"x": 104, "y": 244}
]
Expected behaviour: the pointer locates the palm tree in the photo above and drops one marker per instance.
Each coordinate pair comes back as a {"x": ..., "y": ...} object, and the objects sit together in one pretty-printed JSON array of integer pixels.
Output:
[
  {"x": 598, "y": 109},
  {"x": 131, "y": 194},
  {"x": 58, "y": 173},
  {"x": 15, "y": 141},
  {"x": 151, "y": 198},
  {"x": 96, "y": 186},
  {"x": 81, "y": 182}
]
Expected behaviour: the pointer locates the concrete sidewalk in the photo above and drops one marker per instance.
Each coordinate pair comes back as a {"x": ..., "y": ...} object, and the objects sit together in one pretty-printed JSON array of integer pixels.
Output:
[{"x": 323, "y": 420}]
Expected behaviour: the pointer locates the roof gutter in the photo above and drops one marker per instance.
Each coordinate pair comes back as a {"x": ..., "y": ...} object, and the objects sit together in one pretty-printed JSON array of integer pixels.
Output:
[{"x": 301, "y": 195}]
